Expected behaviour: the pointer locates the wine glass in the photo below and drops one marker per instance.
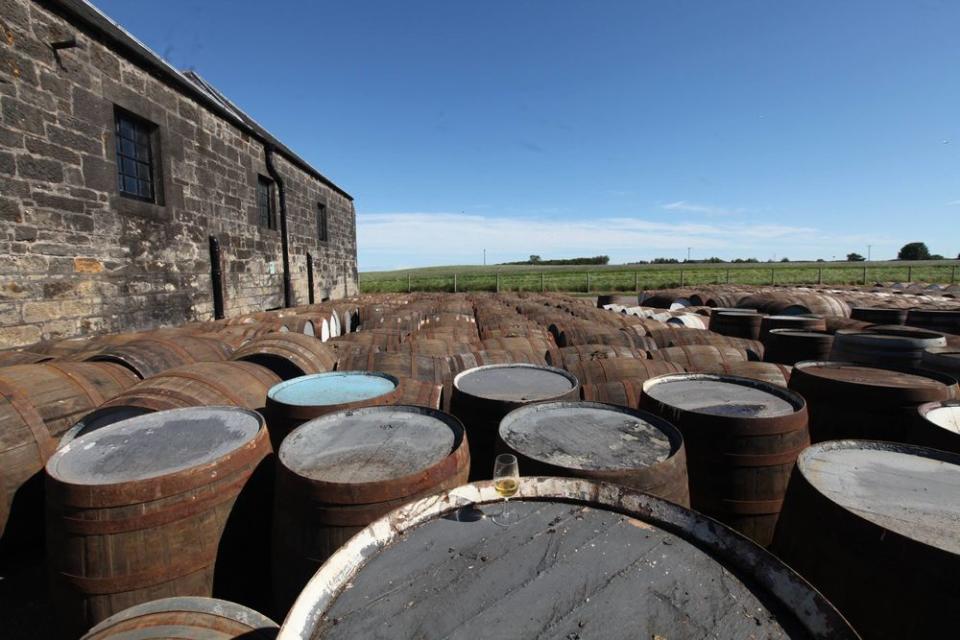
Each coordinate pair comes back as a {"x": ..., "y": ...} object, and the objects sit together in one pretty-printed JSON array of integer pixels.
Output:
[{"x": 506, "y": 480}]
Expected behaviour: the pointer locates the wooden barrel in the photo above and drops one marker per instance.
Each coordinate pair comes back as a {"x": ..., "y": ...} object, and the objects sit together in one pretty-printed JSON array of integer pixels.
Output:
[
  {"x": 481, "y": 397},
  {"x": 947, "y": 321},
  {"x": 913, "y": 332},
  {"x": 149, "y": 356},
  {"x": 800, "y": 323},
  {"x": 463, "y": 361},
  {"x": 293, "y": 402},
  {"x": 385, "y": 339},
  {"x": 598, "y": 442},
  {"x": 742, "y": 437},
  {"x": 768, "y": 372},
  {"x": 38, "y": 402},
  {"x": 695, "y": 357},
  {"x": 581, "y": 559},
  {"x": 587, "y": 352},
  {"x": 623, "y": 393},
  {"x": 877, "y": 315},
  {"x": 194, "y": 618},
  {"x": 873, "y": 526},
  {"x": 937, "y": 425},
  {"x": 881, "y": 349},
  {"x": 418, "y": 393},
  {"x": 535, "y": 345},
  {"x": 435, "y": 347},
  {"x": 753, "y": 348},
  {"x": 288, "y": 355},
  {"x": 848, "y": 400},
  {"x": 10, "y": 358},
  {"x": 789, "y": 346},
  {"x": 835, "y": 324},
  {"x": 152, "y": 495},
  {"x": 574, "y": 336},
  {"x": 418, "y": 367},
  {"x": 737, "y": 324},
  {"x": 943, "y": 359},
  {"x": 614, "y": 369},
  {"x": 625, "y": 300},
  {"x": 339, "y": 473},
  {"x": 237, "y": 384}
]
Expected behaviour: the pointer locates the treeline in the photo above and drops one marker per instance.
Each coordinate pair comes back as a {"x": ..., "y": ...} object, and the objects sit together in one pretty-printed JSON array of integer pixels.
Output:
[{"x": 538, "y": 261}]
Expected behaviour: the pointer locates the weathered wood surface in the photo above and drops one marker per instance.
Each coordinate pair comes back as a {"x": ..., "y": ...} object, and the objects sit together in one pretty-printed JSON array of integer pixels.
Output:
[
  {"x": 789, "y": 346},
  {"x": 695, "y": 357},
  {"x": 742, "y": 438},
  {"x": 778, "y": 374},
  {"x": 893, "y": 571},
  {"x": 601, "y": 442},
  {"x": 587, "y": 560},
  {"x": 288, "y": 354},
  {"x": 149, "y": 508},
  {"x": 615, "y": 369},
  {"x": 149, "y": 356},
  {"x": 483, "y": 396},
  {"x": 187, "y": 618},
  {"x": 340, "y": 472}
]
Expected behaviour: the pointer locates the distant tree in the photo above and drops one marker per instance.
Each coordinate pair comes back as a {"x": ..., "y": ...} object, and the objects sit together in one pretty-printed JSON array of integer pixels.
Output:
[
  {"x": 713, "y": 260},
  {"x": 665, "y": 261},
  {"x": 914, "y": 251},
  {"x": 855, "y": 257},
  {"x": 784, "y": 259},
  {"x": 534, "y": 259},
  {"x": 937, "y": 256},
  {"x": 820, "y": 260}
]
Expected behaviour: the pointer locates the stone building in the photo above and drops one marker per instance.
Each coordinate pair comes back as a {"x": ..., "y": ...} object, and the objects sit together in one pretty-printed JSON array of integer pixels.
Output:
[{"x": 119, "y": 174}]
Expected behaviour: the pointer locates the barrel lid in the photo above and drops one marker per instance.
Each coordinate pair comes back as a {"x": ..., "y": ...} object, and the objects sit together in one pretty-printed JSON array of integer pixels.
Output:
[
  {"x": 943, "y": 414},
  {"x": 719, "y": 395},
  {"x": 801, "y": 333},
  {"x": 579, "y": 559},
  {"x": 871, "y": 377},
  {"x": 903, "y": 488},
  {"x": 332, "y": 388},
  {"x": 515, "y": 382},
  {"x": 589, "y": 435},
  {"x": 154, "y": 445},
  {"x": 260, "y": 625},
  {"x": 370, "y": 444}
]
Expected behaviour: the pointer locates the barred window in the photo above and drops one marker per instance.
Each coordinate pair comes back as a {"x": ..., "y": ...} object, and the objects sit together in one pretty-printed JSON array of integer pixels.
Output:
[
  {"x": 266, "y": 219},
  {"x": 322, "y": 222},
  {"x": 136, "y": 171}
]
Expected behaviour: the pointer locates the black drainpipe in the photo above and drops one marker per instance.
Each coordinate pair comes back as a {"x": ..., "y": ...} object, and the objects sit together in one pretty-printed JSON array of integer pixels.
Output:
[
  {"x": 310, "y": 277},
  {"x": 287, "y": 288},
  {"x": 216, "y": 277}
]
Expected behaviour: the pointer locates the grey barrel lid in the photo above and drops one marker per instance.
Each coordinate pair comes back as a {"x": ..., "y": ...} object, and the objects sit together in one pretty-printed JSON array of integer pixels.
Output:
[
  {"x": 518, "y": 382},
  {"x": 721, "y": 395}
]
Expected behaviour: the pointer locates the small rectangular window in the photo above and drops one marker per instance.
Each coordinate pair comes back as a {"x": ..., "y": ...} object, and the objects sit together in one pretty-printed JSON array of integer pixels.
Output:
[
  {"x": 322, "y": 222},
  {"x": 266, "y": 218},
  {"x": 136, "y": 164}
]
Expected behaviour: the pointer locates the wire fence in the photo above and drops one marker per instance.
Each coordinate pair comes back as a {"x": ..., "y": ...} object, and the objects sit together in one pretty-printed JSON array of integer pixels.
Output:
[{"x": 612, "y": 280}]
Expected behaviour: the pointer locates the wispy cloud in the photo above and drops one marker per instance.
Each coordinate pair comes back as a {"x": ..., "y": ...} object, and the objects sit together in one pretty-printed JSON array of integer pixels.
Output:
[
  {"x": 954, "y": 203},
  {"x": 705, "y": 209},
  {"x": 389, "y": 239}
]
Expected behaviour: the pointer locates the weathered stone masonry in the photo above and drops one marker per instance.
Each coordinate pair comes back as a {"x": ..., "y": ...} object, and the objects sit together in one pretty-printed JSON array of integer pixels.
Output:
[{"x": 76, "y": 257}]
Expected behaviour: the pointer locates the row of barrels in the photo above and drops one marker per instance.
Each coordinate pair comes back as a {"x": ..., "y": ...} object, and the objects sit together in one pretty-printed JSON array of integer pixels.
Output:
[{"x": 734, "y": 440}]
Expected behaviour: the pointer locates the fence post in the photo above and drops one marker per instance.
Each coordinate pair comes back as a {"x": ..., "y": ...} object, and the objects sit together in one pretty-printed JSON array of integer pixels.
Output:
[
  {"x": 541, "y": 282},
  {"x": 454, "y": 283},
  {"x": 498, "y": 282},
  {"x": 864, "y": 276},
  {"x": 409, "y": 284},
  {"x": 909, "y": 274},
  {"x": 819, "y": 275}
]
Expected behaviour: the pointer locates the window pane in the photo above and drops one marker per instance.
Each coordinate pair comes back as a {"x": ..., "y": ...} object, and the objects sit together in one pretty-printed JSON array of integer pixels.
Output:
[
  {"x": 143, "y": 171},
  {"x": 127, "y": 148},
  {"x": 130, "y": 185},
  {"x": 126, "y": 128},
  {"x": 143, "y": 153},
  {"x": 146, "y": 189}
]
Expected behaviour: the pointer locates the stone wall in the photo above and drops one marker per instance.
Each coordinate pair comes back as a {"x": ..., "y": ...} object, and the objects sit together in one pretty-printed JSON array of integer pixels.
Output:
[{"x": 76, "y": 257}]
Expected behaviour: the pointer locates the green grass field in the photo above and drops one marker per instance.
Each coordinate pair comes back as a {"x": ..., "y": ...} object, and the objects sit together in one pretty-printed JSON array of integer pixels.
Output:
[{"x": 612, "y": 278}]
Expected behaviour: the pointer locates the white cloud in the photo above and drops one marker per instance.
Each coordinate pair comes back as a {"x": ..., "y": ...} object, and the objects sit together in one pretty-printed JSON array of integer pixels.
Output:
[
  {"x": 388, "y": 240},
  {"x": 705, "y": 209}
]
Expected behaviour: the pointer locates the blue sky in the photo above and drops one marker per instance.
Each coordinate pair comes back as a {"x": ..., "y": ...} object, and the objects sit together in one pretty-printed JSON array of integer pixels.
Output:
[{"x": 634, "y": 129}]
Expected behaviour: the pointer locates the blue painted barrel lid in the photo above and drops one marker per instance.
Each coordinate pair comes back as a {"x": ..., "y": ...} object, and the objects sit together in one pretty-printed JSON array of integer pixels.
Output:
[{"x": 332, "y": 388}]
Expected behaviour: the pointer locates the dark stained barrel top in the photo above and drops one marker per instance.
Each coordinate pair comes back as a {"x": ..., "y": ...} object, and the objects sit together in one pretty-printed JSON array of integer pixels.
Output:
[
  {"x": 368, "y": 445},
  {"x": 587, "y": 435},
  {"x": 897, "y": 487},
  {"x": 719, "y": 396},
  {"x": 947, "y": 417},
  {"x": 867, "y": 376},
  {"x": 154, "y": 445},
  {"x": 515, "y": 383},
  {"x": 339, "y": 387},
  {"x": 560, "y": 571},
  {"x": 800, "y": 333}
]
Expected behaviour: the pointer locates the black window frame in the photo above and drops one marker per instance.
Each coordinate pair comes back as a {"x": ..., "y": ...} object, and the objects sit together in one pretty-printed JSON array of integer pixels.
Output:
[
  {"x": 137, "y": 145},
  {"x": 265, "y": 196},
  {"x": 323, "y": 231}
]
